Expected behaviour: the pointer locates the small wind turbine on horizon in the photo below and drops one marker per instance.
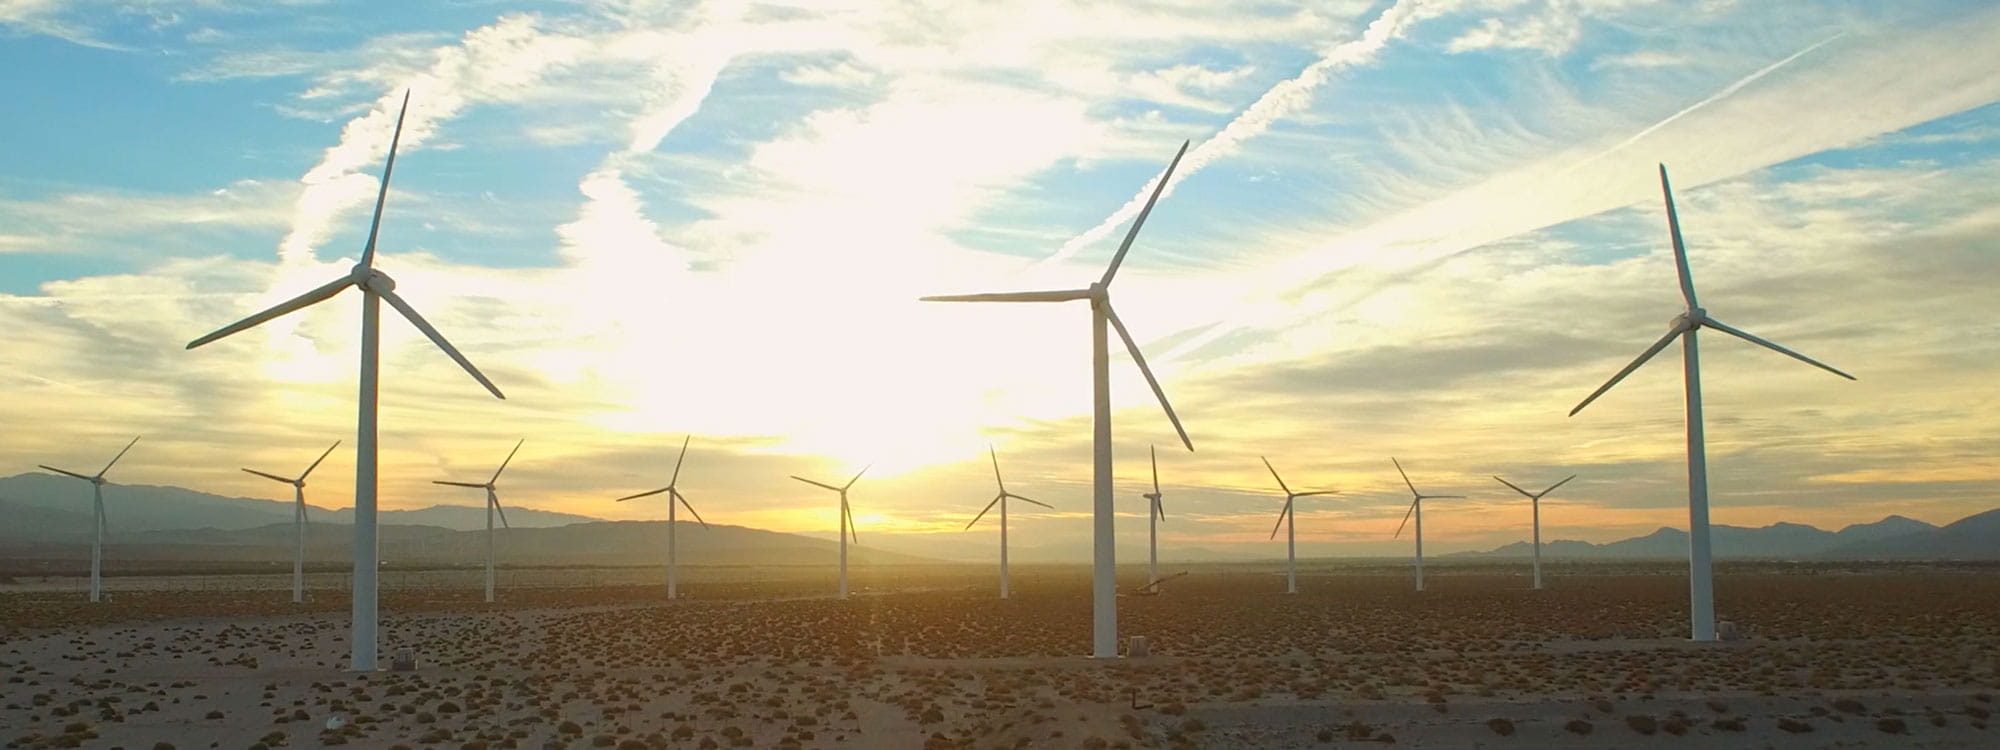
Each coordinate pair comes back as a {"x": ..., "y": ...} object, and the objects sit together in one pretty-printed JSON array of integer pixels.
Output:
[
  {"x": 376, "y": 287},
  {"x": 1536, "y": 499},
  {"x": 674, "y": 499},
  {"x": 1286, "y": 519},
  {"x": 97, "y": 502},
  {"x": 1001, "y": 500},
  {"x": 1155, "y": 515},
  {"x": 1701, "y": 572},
  {"x": 299, "y": 521},
  {"x": 1417, "y": 509},
  {"x": 492, "y": 506},
  {"x": 1104, "y": 538},
  {"x": 846, "y": 521}
]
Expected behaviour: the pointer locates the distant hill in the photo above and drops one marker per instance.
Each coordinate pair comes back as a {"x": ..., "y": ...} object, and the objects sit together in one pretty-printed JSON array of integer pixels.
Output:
[{"x": 1975, "y": 537}]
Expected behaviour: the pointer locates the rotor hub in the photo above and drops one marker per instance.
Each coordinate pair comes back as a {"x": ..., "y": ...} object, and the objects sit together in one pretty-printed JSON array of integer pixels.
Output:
[{"x": 373, "y": 279}]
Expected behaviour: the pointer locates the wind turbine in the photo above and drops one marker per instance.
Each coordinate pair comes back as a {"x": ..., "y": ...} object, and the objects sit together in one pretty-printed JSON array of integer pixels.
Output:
[
  {"x": 1104, "y": 575},
  {"x": 299, "y": 521},
  {"x": 1154, "y": 517},
  {"x": 376, "y": 287},
  {"x": 97, "y": 501},
  {"x": 492, "y": 506},
  {"x": 846, "y": 521},
  {"x": 1001, "y": 500},
  {"x": 674, "y": 498},
  {"x": 1536, "y": 499},
  {"x": 1288, "y": 520},
  {"x": 1417, "y": 509},
  {"x": 1701, "y": 573}
]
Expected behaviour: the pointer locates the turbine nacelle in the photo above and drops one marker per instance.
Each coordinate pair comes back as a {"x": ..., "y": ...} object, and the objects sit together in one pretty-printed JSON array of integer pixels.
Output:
[
  {"x": 1688, "y": 321},
  {"x": 372, "y": 279}
]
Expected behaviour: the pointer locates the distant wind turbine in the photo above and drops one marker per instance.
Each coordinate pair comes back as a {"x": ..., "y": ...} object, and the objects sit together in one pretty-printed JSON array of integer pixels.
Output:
[
  {"x": 1155, "y": 515},
  {"x": 1701, "y": 572},
  {"x": 1104, "y": 569},
  {"x": 1417, "y": 509},
  {"x": 1001, "y": 500},
  {"x": 376, "y": 287},
  {"x": 674, "y": 499},
  {"x": 1535, "y": 499},
  {"x": 97, "y": 501},
  {"x": 492, "y": 506},
  {"x": 299, "y": 521},
  {"x": 1287, "y": 520},
  {"x": 846, "y": 521}
]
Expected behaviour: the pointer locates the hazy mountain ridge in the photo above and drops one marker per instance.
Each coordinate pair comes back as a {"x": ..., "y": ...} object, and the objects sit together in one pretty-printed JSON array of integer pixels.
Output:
[
  {"x": 140, "y": 507},
  {"x": 1975, "y": 537}
]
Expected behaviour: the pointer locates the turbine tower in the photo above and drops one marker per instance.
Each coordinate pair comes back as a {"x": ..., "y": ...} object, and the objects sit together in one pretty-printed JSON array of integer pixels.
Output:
[
  {"x": 97, "y": 501},
  {"x": 1701, "y": 573},
  {"x": 376, "y": 287},
  {"x": 299, "y": 521},
  {"x": 1104, "y": 577},
  {"x": 1286, "y": 519},
  {"x": 1001, "y": 499},
  {"x": 846, "y": 521},
  {"x": 674, "y": 498},
  {"x": 1535, "y": 498},
  {"x": 1417, "y": 509},
  {"x": 492, "y": 506},
  {"x": 1155, "y": 515}
]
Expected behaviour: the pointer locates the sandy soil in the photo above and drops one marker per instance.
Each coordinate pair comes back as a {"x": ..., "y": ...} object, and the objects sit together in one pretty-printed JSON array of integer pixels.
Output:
[{"x": 1893, "y": 659}]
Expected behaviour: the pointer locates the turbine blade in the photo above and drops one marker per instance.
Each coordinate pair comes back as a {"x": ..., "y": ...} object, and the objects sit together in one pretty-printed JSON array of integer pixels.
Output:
[
  {"x": 996, "y": 468},
  {"x": 382, "y": 194},
  {"x": 494, "y": 498},
  {"x": 70, "y": 473},
  {"x": 1024, "y": 498},
  {"x": 857, "y": 476},
  {"x": 304, "y": 300},
  {"x": 1140, "y": 220},
  {"x": 508, "y": 460},
  {"x": 1274, "y": 475},
  {"x": 816, "y": 484},
  {"x": 1553, "y": 487},
  {"x": 982, "y": 512},
  {"x": 272, "y": 477},
  {"x": 304, "y": 517},
  {"x": 1315, "y": 492},
  {"x": 1406, "y": 476},
  {"x": 1643, "y": 356},
  {"x": 640, "y": 495},
  {"x": 1064, "y": 295},
  {"x": 1523, "y": 492},
  {"x": 1140, "y": 360},
  {"x": 690, "y": 506},
  {"x": 677, "y": 462},
  {"x": 459, "y": 484},
  {"x": 1444, "y": 497},
  {"x": 1746, "y": 336},
  {"x": 121, "y": 454},
  {"x": 438, "y": 338},
  {"x": 322, "y": 457},
  {"x": 1155, "y": 456},
  {"x": 1406, "y": 519},
  {"x": 1160, "y": 508},
  {"x": 1282, "y": 512},
  {"x": 1680, "y": 249},
  {"x": 849, "y": 512}
]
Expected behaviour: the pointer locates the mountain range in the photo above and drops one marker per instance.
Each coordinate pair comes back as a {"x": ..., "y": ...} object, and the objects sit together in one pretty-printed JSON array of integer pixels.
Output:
[{"x": 1975, "y": 537}]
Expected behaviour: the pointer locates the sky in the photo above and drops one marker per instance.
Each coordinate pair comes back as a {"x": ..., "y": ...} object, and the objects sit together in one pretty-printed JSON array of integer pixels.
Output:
[{"x": 1412, "y": 229}]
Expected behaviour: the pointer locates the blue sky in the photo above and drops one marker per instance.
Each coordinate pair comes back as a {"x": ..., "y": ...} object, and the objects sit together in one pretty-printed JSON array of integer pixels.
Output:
[{"x": 1420, "y": 228}]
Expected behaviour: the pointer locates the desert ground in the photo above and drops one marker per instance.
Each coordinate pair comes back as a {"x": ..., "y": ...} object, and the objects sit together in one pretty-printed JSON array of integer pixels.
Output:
[{"x": 1842, "y": 656}]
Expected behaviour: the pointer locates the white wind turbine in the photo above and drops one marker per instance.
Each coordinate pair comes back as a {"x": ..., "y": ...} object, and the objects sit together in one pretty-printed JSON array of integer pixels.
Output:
[
  {"x": 1104, "y": 576},
  {"x": 1535, "y": 498},
  {"x": 1701, "y": 574},
  {"x": 376, "y": 287},
  {"x": 299, "y": 521},
  {"x": 1287, "y": 520},
  {"x": 97, "y": 501},
  {"x": 1155, "y": 515},
  {"x": 674, "y": 498},
  {"x": 846, "y": 521},
  {"x": 1417, "y": 509},
  {"x": 1001, "y": 500},
  {"x": 492, "y": 506}
]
